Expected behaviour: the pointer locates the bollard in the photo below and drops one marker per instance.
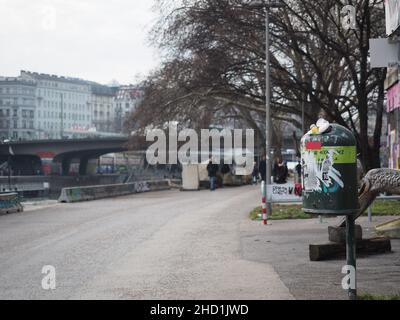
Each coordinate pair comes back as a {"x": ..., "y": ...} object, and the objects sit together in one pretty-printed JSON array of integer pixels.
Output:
[
  {"x": 264, "y": 203},
  {"x": 369, "y": 214}
]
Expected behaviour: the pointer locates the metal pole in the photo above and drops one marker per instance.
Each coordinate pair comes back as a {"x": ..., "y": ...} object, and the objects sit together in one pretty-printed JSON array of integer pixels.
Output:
[
  {"x": 9, "y": 172},
  {"x": 351, "y": 251},
  {"x": 369, "y": 214},
  {"x": 267, "y": 110},
  {"x": 62, "y": 116},
  {"x": 302, "y": 117}
]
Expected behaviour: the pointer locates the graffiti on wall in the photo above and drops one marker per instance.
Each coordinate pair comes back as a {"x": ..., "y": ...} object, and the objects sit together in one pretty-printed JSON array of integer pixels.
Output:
[
  {"x": 142, "y": 187},
  {"x": 393, "y": 98},
  {"x": 394, "y": 151}
]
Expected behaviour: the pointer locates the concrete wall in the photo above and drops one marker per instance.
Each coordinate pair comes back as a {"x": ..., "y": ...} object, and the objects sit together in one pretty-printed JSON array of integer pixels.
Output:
[
  {"x": 57, "y": 183},
  {"x": 78, "y": 194},
  {"x": 190, "y": 177}
]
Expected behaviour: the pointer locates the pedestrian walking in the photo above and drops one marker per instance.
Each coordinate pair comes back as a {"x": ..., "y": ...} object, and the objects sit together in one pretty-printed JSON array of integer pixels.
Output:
[{"x": 212, "y": 170}]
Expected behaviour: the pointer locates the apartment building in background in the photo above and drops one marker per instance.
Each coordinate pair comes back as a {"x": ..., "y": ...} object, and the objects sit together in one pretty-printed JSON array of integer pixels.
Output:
[
  {"x": 42, "y": 106},
  {"x": 127, "y": 99},
  {"x": 63, "y": 105},
  {"x": 17, "y": 108},
  {"x": 103, "y": 105}
]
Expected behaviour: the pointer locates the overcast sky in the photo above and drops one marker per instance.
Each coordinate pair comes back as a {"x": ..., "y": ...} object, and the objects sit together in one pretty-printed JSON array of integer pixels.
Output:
[{"x": 98, "y": 40}]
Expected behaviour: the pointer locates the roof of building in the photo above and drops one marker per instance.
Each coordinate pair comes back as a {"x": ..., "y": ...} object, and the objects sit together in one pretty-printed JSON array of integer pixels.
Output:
[
  {"x": 102, "y": 90},
  {"x": 129, "y": 92},
  {"x": 50, "y": 77},
  {"x": 16, "y": 80}
]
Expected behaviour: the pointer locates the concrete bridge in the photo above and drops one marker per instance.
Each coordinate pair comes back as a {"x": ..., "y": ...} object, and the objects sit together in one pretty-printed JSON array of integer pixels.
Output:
[{"x": 46, "y": 156}]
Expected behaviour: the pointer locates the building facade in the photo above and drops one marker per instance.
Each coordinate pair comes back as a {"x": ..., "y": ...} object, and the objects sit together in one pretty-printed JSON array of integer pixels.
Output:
[
  {"x": 392, "y": 85},
  {"x": 127, "y": 99},
  {"x": 18, "y": 111},
  {"x": 42, "y": 106},
  {"x": 63, "y": 105},
  {"x": 103, "y": 108}
]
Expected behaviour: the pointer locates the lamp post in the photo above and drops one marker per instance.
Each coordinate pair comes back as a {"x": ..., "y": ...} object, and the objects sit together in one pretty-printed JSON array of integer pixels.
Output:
[
  {"x": 9, "y": 172},
  {"x": 10, "y": 154},
  {"x": 302, "y": 117},
  {"x": 268, "y": 132},
  {"x": 62, "y": 117}
]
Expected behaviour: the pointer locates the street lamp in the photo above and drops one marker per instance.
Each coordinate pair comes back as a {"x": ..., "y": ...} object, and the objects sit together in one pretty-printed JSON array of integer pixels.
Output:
[
  {"x": 268, "y": 5},
  {"x": 10, "y": 154},
  {"x": 62, "y": 117},
  {"x": 302, "y": 117}
]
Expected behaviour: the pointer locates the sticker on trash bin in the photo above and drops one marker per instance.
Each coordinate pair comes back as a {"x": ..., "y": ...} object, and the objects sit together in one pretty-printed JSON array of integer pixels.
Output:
[
  {"x": 319, "y": 174},
  {"x": 341, "y": 155}
]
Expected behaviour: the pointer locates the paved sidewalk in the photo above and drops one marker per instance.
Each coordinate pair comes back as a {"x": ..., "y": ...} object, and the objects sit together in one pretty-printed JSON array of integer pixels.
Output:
[
  {"x": 176, "y": 245},
  {"x": 158, "y": 245},
  {"x": 284, "y": 245}
]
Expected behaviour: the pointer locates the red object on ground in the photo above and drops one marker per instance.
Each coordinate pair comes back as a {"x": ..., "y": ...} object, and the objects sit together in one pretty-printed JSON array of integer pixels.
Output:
[{"x": 298, "y": 189}]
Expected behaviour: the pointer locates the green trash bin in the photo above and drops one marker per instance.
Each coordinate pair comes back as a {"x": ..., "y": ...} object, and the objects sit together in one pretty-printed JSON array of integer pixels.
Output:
[{"x": 329, "y": 171}]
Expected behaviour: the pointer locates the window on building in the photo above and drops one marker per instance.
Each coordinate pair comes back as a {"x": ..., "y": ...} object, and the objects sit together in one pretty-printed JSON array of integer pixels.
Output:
[{"x": 15, "y": 124}]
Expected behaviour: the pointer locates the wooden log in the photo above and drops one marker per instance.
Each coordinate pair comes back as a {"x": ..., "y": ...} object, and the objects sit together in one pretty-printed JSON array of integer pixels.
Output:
[
  {"x": 365, "y": 247},
  {"x": 338, "y": 234}
]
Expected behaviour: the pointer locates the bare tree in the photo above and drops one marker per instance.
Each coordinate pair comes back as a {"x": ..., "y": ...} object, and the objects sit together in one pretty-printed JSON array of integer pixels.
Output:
[{"x": 214, "y": 66}]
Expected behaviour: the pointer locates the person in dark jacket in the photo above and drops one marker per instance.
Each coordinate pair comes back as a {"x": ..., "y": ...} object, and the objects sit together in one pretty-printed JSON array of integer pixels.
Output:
[
  {"x": 255, "y": 173},
  {"x": 262, "y": 168},
  {"x": 280, "y": 171},
  {"x": 298, "y": 171},
  {"x": 212, "y": 170},
  {"x": 225, "y": 170}
]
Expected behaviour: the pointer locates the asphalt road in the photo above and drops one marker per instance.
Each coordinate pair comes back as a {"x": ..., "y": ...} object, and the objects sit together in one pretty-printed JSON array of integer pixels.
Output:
[{"x": 162, "y": 245}]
